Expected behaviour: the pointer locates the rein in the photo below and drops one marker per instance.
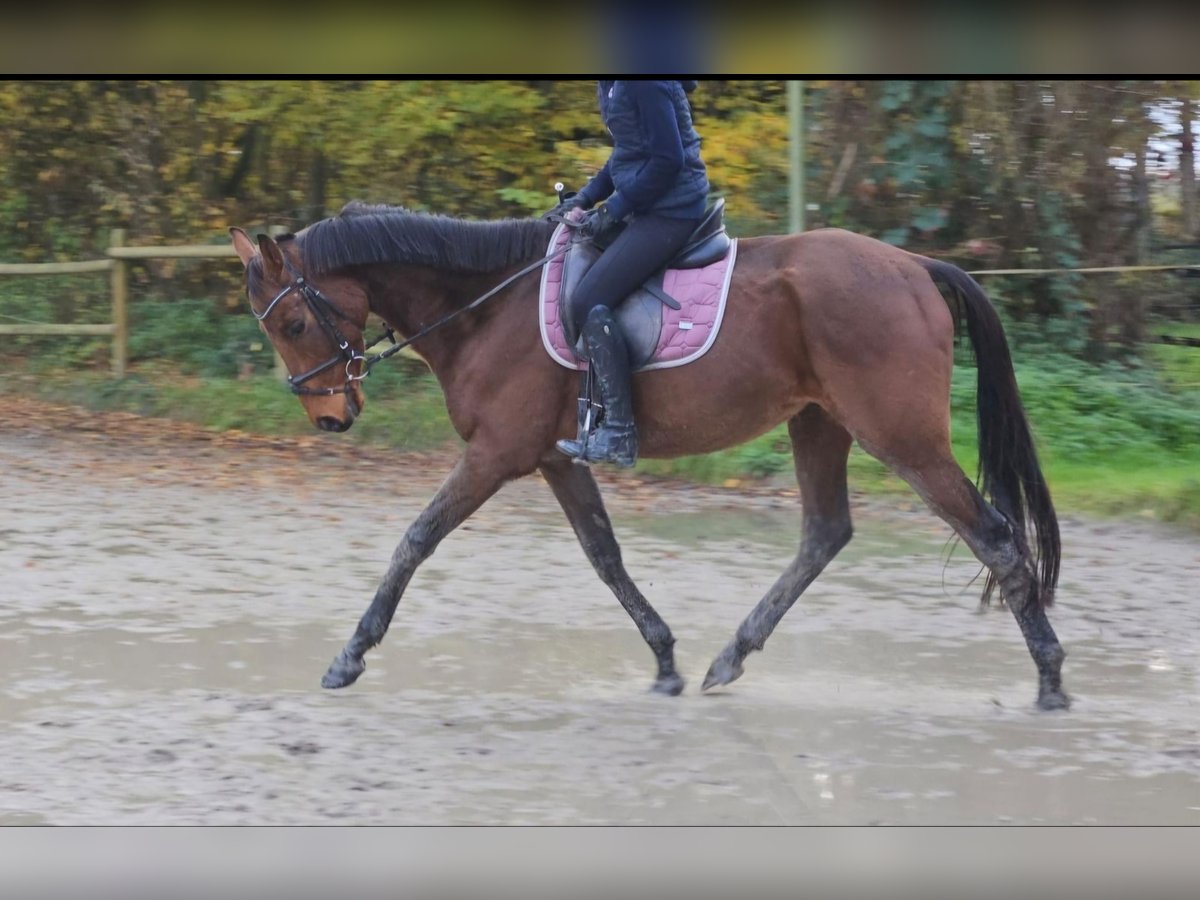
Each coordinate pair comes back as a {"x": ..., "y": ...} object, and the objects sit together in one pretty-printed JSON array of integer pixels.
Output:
[{"x": 324, "y": 311}]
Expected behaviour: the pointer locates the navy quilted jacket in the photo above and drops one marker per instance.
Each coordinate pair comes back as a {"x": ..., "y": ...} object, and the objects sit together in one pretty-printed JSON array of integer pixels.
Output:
[{"x": 655, "y": 165}]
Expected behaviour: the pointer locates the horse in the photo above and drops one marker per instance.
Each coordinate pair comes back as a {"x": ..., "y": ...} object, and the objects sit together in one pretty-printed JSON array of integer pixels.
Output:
[{"x": 843, "y": 337}]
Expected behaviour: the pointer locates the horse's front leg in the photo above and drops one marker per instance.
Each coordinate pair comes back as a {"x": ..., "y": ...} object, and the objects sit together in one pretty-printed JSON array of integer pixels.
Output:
[
  {"x": 576, "y": 490},
  {"x": 475, "y": 478}
]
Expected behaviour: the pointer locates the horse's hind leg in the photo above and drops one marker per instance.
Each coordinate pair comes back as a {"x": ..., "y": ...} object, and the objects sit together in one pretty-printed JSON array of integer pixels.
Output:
[
  {"x": 576, "y": 490},
  {"x": 943, "y": 485},
  {"x": 820, "y": 447}
]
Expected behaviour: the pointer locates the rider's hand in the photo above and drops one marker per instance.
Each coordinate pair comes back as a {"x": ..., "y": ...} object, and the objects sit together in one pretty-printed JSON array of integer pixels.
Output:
[
  {"x": 572, "y": 203},
  {"x": 596, "y": 223}
]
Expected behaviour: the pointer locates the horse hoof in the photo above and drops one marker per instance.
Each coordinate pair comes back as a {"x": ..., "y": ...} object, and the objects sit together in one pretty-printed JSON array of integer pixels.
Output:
[
  {"x": 1053, "y": 700},
  {"x": 671, "y": 685},
  {"x": 721, "y": 672},
  {"x": 343, "y": 672}
]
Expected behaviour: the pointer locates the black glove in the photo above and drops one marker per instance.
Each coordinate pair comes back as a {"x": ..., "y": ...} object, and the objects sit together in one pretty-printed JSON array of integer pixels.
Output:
[
  {"x": 597, "y": 223},
  {"x": 568, "y": 203}
]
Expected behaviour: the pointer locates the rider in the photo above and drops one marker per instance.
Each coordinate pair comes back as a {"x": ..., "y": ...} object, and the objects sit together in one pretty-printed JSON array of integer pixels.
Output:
[{"x": 656, "y": 184}]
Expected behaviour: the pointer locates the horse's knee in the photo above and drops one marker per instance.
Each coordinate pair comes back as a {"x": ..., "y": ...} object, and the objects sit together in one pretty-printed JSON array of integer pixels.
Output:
[
  {"x": 825, "y": 539},
  {"x": 418, "y": 545},
  {"x": 839, "y": 536}
]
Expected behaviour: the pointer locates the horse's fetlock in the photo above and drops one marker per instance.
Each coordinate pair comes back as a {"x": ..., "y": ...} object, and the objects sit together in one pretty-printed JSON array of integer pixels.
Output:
[
  {"x": 660, "y": 638},
  {"x": 373, "y": 628},
  {"x": 1052, "y": 655}
]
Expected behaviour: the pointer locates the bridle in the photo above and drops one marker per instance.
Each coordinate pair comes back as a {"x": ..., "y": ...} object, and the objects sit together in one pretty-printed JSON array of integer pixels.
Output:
[{"x": 325, "y": 313}]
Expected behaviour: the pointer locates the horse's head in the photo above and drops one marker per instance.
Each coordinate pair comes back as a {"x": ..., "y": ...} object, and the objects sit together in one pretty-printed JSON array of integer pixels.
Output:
[{"x": 317, "y": 331}]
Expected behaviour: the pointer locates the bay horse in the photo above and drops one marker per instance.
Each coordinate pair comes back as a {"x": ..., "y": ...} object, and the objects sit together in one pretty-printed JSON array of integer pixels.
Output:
[{"x": 842, "y": 336}]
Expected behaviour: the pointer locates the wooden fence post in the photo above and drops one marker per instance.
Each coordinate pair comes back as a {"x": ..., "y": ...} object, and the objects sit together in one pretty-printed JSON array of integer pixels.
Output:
[{"x": 120, "y": 306}]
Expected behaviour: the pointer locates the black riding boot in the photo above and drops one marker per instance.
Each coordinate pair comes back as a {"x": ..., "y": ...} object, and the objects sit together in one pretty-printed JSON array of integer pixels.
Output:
[{"x": 615, "y": 440}]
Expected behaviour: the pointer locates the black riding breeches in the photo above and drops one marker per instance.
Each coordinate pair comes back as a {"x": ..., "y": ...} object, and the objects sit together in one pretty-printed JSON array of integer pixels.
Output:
[{"x": 645, "y": 245}]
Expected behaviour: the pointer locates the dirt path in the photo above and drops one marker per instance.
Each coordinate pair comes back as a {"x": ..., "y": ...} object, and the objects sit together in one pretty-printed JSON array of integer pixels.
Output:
[{"x": 169, "y": 599}]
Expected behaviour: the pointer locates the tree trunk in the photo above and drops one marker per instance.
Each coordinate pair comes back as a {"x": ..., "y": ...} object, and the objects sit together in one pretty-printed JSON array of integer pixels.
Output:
[
  {"x": 316, "y": 186},
  {"x": 1187, "y": 172},
  {"x": 1141, "y": 193}
]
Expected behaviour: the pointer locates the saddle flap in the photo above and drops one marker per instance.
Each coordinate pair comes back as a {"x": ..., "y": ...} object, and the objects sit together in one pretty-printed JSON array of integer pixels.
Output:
[
  {"x": 639, "y": 315},
  {"x": 576, "y": 261},
  {"x": 641, "y": 318}
]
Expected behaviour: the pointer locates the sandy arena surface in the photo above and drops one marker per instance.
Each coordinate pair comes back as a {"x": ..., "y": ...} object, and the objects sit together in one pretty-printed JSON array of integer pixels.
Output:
[{"x": 170, "y": 597}]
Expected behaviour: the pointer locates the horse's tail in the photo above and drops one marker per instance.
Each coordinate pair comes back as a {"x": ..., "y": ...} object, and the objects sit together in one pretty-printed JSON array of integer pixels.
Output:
[{"x": 1009, "y": 474}]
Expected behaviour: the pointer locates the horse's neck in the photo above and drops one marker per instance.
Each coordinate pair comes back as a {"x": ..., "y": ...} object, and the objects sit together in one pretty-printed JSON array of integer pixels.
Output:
[{"x": 411, "y": 299}]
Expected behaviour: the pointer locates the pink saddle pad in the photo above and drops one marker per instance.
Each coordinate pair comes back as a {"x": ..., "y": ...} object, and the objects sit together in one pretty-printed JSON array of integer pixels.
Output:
[{"x": 687, "y": 332}]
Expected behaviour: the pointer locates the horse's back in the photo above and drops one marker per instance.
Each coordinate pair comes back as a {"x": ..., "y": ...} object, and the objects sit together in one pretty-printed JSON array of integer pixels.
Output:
[
  {"x": 841, "y": 282},
  {"x": 834, "y": 251}
]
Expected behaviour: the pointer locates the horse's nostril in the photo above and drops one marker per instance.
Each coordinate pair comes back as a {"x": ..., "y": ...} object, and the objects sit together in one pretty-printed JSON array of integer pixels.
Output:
[{"x": 329, "y": 423}]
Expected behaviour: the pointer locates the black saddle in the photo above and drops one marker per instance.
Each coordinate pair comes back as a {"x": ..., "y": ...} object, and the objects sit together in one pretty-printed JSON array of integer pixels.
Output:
[{"x": 640, "y": 314}]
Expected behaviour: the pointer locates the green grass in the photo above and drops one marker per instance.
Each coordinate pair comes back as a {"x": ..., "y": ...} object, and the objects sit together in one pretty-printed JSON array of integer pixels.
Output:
[
  {"x": 1180, "y": 365},
  {"x": 1114, "y": 441},
  {"x": 1128, "y": 485},
  {"x": 405, "y": 409}
]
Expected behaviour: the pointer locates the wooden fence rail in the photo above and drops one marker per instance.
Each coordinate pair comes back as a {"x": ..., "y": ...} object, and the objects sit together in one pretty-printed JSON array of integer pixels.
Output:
[
  {"x": 118, "y": 257},
  {"x": 56, "y": 268},
  {"x": 117, "y": 266}
]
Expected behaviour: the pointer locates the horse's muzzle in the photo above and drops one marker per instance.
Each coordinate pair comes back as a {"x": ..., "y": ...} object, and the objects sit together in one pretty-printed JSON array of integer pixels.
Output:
[
  {"x": 330, "y": 423},
  {"x": 336, "y": 424}
]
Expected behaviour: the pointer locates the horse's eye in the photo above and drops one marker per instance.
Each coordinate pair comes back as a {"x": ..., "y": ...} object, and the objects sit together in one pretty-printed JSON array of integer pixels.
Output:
[{"x": 295, "y": 329}]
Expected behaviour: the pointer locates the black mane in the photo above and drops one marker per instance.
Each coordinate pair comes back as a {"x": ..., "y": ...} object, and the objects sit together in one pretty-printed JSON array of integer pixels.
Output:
[{"x": 361, "y": 234}]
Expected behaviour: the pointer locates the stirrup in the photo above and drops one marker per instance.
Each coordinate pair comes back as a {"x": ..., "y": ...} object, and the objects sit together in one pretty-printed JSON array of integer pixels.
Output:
[
  {"x": 576, "y": 449},
  {"x": 590, "y": 411}
]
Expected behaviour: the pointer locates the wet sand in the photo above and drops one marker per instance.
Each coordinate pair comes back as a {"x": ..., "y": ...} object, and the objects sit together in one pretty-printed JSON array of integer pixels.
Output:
[{"x": 169, "y": 599}]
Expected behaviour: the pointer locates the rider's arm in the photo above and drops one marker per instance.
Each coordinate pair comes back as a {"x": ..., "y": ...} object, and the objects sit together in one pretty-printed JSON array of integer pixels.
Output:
[
  {"x": 597, "y": 189},
  {"x": 660, "y": 128}
]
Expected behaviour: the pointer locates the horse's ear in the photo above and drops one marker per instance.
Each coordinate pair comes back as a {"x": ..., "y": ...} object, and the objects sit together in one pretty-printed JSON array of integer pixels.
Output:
[
  {"x": 243, "y": 245},
  {"x": 272, "y": 257}
]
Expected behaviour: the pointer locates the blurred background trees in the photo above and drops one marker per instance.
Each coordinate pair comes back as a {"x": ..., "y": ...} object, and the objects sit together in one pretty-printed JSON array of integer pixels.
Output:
[{"x": 989, "y": 174}]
